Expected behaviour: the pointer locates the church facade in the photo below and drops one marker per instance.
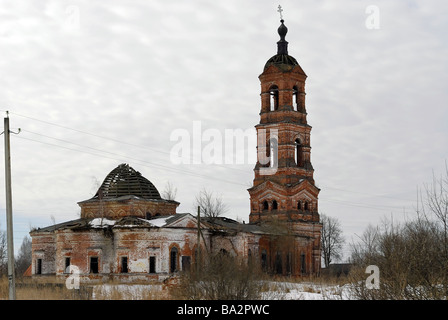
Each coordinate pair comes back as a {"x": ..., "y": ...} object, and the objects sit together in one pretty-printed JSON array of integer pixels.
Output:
[{"x": 128, "y": 232}]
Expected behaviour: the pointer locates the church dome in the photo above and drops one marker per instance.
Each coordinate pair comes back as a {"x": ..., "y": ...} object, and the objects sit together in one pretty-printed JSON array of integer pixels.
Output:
[
  {"x": 282, "y": 60},
  {"x": 125, "y": 181}
]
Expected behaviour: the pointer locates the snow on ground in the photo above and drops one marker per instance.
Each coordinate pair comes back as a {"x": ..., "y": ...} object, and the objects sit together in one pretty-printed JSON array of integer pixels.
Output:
[{"x": 272, "y": 291}]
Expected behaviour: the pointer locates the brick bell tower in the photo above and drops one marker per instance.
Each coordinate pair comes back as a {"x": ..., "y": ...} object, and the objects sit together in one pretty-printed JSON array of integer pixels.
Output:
[{"x": 283, "y": 187}]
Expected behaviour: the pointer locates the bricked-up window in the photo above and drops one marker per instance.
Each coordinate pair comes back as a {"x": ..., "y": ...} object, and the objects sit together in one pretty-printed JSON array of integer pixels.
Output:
[
  {"x": 93, "y": 264},
  {"x": 38, "y": 266},
  {"x": 264, "y": 260},
  {"x": 124, "y": 264},
  {"x": 152, "y": 264},
  {"x": 289, "y": 263},
  {"x": 278, "y": 263},
  {"x": 302, "y": 263},
  {"x": 186, "y": 263},
  {"x": 173, "y": 259},
  {"x": 67, "y": 265}
]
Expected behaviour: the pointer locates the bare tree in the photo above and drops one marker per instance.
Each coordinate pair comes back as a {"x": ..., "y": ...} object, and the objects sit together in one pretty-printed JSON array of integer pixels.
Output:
[
  {"x": 332, "y": 239},
  {"x": 211, "y": 206},
  {"x": 170, "y": 192},
  {"x": 3, "y": 253},
  {"x": 23, "y": 260}
]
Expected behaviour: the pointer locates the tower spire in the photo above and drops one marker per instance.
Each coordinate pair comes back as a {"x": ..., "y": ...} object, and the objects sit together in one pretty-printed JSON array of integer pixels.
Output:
[{"x": 282, "y": 45}]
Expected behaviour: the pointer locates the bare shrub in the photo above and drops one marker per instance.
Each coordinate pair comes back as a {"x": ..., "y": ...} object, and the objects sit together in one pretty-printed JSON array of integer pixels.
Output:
[{"x": 222, "y": 277}]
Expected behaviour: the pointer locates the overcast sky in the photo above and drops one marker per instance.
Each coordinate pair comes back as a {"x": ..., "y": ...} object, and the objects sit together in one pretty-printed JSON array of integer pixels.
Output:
[{"x": 93, "y": 84}]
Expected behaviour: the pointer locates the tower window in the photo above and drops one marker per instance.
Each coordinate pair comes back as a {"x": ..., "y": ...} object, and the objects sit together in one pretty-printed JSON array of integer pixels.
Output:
[
  {"x": 299, "y": 205},
  {"x": 273, "y": 92},
  {"x": 295, "y": 98},
  {"x": 274, "y": 205},
  {"x": 306, "y": 206},
  {"x": 265, "y": 205},
  {"x": 298, "y": 153}
]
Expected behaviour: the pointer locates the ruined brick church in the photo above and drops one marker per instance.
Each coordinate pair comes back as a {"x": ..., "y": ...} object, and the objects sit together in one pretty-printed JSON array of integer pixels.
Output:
[{"x": 126, "y": 231}]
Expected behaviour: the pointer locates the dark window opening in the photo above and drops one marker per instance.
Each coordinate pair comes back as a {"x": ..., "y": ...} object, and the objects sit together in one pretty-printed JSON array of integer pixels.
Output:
[
  {"x": 173, "y": 260},
  {"x": 148, "y": 215},
  {"x": 265, "y": 205},
  {"x": 307, "y": 206},
  {"x": 299, "y": 205},
  {"x": 67, "y": 265},
  {"x": 39, "y": 266},
  {"x": 274, "y": 205},
  {"x": 124, "y": 264},
  {"x": 152, "y": 264},
  {"x": 93, "y": 264}
]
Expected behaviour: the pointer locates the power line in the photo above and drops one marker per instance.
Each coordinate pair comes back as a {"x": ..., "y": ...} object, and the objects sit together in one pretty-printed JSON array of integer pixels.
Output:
[
  {"x": 113, "y": 155},
  {"x": 191, "y": 158},
  {"x": 151, "y": 164}
]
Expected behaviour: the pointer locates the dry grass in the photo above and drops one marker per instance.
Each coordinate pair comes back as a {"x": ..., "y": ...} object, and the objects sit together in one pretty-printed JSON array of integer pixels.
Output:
[{"x": 53, "y": 289}]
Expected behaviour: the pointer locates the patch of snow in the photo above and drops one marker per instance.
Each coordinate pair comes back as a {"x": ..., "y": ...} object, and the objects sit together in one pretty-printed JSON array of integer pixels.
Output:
[
  {"x": 101, "y": 222},
  {"x": 158, "y": 222}
]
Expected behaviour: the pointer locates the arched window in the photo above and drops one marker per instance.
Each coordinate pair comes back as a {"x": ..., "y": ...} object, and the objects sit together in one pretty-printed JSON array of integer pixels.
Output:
[
  {"x": 173, "y": 259},
  {"x": 265, "y": 205},
  {"x": 299, "y": 205},
  {"x": 295, "y": 98},
  {"x": 306, "y": 207},
  {"x": 274, "y": 205},
  {"x": 299, "y": 153},
  {"x": 273, "y": 92}
]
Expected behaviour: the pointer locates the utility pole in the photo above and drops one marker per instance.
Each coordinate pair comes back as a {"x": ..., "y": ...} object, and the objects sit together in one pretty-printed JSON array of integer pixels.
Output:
[{"x": 11, "y": 272}]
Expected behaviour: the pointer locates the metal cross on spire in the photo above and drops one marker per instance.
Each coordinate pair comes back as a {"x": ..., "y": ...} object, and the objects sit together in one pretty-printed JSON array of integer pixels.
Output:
[{"x": 280, "y": 10}]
